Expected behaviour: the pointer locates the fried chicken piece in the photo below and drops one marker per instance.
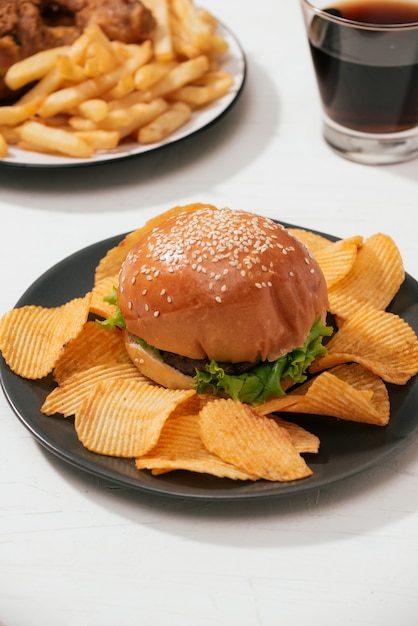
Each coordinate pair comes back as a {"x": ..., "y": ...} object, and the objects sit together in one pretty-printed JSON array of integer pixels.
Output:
[
  {"x": 29, "y": 26},
  {"x": 123, "y": 20}
]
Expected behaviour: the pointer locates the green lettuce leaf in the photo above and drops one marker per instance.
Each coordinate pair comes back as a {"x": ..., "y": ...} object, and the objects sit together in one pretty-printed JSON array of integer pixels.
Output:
[
  {"x": 115, "y": 320},
  {"x": 265, "y": 379}
]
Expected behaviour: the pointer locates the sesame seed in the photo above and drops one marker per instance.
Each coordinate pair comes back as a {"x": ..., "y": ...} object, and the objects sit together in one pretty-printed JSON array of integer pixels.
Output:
[
  {"x": 218, "y": 298},
  {"x": 156, "y": 313},
  {"x": 209, "y": 236},
  {"x": 144, "y": 292}
]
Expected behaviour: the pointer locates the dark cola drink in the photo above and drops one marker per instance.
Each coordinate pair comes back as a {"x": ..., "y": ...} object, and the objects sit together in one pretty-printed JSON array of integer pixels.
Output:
[{"x": 368, "y": 78}]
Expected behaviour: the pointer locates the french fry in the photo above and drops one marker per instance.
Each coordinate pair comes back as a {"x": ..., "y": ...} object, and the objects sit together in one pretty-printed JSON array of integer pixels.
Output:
[
  {"x": 162, "y": 37},
  {"x": 33, "y": 67},
  {"x": 69, "y": 70},
  {"x": 100, "y": 48},
  {"x": 99, "y": 139},
  {"x": 4, "y": 148},
  {"x": 48, "y": 84},
  {"x": 151, "y": 73},
  {"x": 198, "y": 30},
  {"x": 197, "y": 96},
  {"x": 173, "y": 118},
  {"x": 92, "y": 88},
  {"x": 123, "y": 87},
  {"x": 95, "y": 109},
  {"x": 51, "y": 81},
  {"x": 126, "y": 121},
  {"x": 180, "y": 75},
  {"x": 10, "y": 134},
  {"x": 80, "y": 123},
  {"x": 13, "y": 115},
  {"x": 67, "y": 98},
  {"x": 55, "y": 140}
]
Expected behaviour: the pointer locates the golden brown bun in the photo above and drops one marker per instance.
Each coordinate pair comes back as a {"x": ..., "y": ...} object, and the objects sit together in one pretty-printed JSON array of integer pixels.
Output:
[
  {"x": 224, "y": 284},
  {"x": 153, "y": 368}
]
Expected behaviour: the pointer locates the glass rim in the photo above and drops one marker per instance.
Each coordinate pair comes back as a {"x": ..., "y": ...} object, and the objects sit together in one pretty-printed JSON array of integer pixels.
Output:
[{"x": 356, "y": 24}]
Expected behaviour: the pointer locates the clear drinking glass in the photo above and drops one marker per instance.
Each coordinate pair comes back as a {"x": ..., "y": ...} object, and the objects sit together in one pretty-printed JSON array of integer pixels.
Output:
[{"x": 365, "y": 56}]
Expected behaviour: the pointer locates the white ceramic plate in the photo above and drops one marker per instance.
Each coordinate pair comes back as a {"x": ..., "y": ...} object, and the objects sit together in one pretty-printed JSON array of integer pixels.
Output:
[{"x": 233, "y": 62}]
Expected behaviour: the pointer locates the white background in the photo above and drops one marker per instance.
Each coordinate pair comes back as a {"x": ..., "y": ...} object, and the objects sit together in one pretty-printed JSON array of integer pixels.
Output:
[{"x": 75, "y": 550}]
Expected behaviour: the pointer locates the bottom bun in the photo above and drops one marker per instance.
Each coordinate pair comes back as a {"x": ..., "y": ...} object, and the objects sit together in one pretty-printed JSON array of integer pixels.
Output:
[{"x": 152, "y": 367}]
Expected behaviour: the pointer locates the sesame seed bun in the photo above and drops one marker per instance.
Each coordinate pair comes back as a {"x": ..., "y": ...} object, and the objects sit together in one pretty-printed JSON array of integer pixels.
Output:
[{"x": 222, "y": 284}]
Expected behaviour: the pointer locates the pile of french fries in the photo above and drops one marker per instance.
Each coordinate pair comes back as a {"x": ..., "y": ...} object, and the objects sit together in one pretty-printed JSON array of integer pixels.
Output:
[{"x": 95, "y": 93}]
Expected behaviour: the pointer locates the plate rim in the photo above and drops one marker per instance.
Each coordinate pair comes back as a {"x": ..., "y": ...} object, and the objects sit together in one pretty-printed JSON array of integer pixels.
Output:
[
  {"x": 88, "y": 462},
  {"x": 108, "y": 157}
]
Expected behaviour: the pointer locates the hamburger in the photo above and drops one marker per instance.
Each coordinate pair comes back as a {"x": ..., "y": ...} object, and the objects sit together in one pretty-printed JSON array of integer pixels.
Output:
[{"x": 222, "y": 300}]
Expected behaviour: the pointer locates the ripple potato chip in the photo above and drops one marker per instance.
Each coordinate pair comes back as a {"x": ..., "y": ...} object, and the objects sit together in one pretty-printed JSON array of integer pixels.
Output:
[
  {"x": 380, "y": 341},
  {"x": 124, "y": 418},
  {"x": 94, "y": 345},
  {"x": 101, "y": 290},
  {"x": 32, "y": 337},
  {"x": 313, "y": 241},
  {"x": 68, "y": 397},
  {"x": 252, "y": 442},
  {"x": 180, "y": 447},
  {"x": 337, "y": 259},
  {"x": 374, "y": 279},
  {"x": 302, "y": 439}
]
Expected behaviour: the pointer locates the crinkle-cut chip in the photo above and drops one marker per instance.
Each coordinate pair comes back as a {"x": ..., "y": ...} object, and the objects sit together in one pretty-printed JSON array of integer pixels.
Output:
[
  {"x": 276, "y": 405},
  {"x": 337, "y": 259},
  {"x": 313, "y": 241},
  {"x": 180, "y": 448},
  {"x": 67, "y": 398},
  {"x": 328, "y": 394},
  {"x": 375, "y": 277},
  {"x": 380, "y": 341},
  {"x": 124, "y": 418},
  {"x": 252, "y": 442},
  {"x": 94, "y": 345},
  {"x": 343, "y": 306},
  {"x": 98, "y": 305},
  {"x": 193, "y": 404},
  {"x": 110, "y": 264},
  {"x": 347, "y": 391},
  {"x": 32, "y": 337},
  {"x": 363, "y": 379},
  {"x": 303, "y": 440}
]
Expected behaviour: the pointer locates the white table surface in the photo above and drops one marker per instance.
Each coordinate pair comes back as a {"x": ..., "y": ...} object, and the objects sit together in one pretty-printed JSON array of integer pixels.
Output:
[{"x": 75, "y": 550}]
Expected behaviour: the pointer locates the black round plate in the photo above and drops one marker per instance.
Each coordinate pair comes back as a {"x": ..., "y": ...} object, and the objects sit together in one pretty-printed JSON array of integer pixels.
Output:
[{"x": 346, "y": 448}]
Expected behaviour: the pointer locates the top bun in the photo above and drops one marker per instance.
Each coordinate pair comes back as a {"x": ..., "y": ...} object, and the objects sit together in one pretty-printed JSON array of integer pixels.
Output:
[{"x": 223, "y": 284}]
